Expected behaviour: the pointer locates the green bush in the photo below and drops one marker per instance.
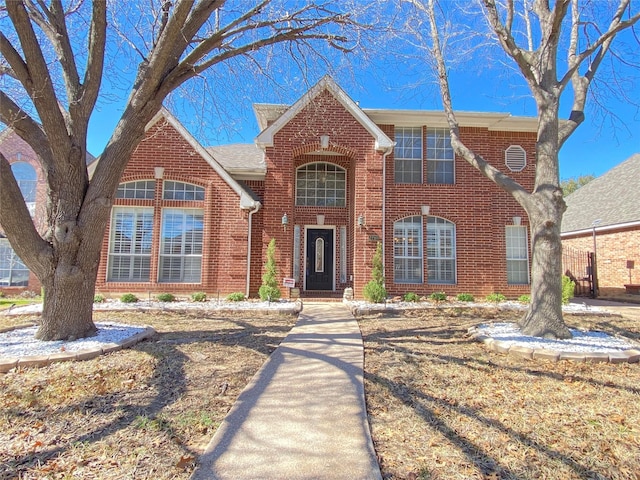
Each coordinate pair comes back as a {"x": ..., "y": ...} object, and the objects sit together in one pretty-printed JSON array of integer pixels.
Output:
[
  {"x": 374, "y": 291},
  {"x": 235, "y": 297},
  {"x": 524, "y": 298},
  {"x": 128, "y": 298},
  {"x": 270, "y": 289},
  {"x": 199, "y": 297},
  {"x": 495, "y": 298},
  {"x": 98, "y": 298},
  {"x": 1, "y": 294},
  {"x": 568, "y": 288},
  {"x": 166, "y": 297},
  {"x": 465, "y": 297},
  {"x": 411, "y": 297},
  {"x": 438, "y": 296}
]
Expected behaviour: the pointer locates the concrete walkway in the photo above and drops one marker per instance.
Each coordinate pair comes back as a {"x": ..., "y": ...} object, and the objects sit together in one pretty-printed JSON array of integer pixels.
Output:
[{"x": 303, "y": 415}]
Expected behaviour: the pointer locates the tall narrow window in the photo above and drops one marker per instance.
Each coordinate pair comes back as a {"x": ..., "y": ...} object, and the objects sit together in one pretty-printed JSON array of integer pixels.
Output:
[
  {"x": 408, "y": 155},
  {"x": 441, "y": 251},
  {"x": 440, "y": 157},
  {"x": 319, "y": 255},
  {"x": 130, "y": 244},
  {"x": 517, "y": 255},
  {"x": 27, "y": 180},
  {"x": 321, "y": 185},
  {"x": 13, "y": 272},
  {"x": 181, "y": 246},
  {"x": 407, "y": 250}
]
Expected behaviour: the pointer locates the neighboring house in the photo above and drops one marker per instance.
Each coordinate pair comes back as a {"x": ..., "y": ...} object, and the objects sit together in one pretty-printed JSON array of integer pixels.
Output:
[
  {"x": 328, "y": 180},
  {"x": 604, "y": 215}
]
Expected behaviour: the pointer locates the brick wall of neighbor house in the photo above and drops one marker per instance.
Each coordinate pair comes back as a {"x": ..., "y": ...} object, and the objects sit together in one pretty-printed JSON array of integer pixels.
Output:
[
  {"x": 614, "y": 249},
  {"x": 14, "y": 150},
  {"x": 225, "y": 225}
]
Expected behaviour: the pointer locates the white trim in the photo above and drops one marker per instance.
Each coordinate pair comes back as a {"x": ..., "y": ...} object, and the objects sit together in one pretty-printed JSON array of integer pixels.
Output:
[
  {"x": 304, "y": 266},
  {"x": 265, "y": 139}
]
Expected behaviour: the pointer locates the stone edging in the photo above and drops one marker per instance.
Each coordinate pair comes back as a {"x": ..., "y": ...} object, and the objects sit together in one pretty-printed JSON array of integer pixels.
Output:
[
  {"x": 500, "y": 346},
  {"x": 8, "y": 363}
]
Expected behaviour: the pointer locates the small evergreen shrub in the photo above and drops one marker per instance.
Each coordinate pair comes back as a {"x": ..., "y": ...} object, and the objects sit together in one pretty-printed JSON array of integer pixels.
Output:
[
  {"x": 199, "y": 297},
  {"x": 1, "y": 294},
  {"x": 270, "y": 290},
  {"x": 411, "y": 297},
  {"x": 235, "y": 297},
  {"x": 465, "y": 297},
  {"x": 568, "y": 288},
  {"x": 438, "y": 296},
  {"x": 374, "y": 291},
  {"x": 166, "y": 297},
  {"x": 98, "y": 298},
  {"x": 495, "y": 298},
  {"x": 524, "y": 298},
  {"x": 128, "y": 298}
]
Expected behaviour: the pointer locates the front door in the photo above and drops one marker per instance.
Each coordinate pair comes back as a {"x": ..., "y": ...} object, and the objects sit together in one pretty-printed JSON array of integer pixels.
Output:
[{"x": 319, "y": 268}]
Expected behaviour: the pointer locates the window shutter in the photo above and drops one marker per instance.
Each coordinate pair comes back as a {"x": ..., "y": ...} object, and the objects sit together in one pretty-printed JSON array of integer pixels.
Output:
[{"x": 515, "y": 158}]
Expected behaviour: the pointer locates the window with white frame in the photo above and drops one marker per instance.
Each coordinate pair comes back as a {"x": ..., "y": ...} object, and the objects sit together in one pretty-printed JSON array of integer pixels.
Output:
[
  {"x": 517, "y": 255},
  {"x": 408, "y": 155},
  {"x": 181, "y": 246},
  {"x": 130, "y": 244},
  {"x": 139, "y": 190},
  {"x": 407, "y": 250},
  {"x": 441, "y": 251},
  {"x": 440, "y": 157},
  {"x": 27, "y": 180},
  {"x": 182, "y": 191},
  {"x": 13, "y": 272},
  {"x": 321, "y": 184}
]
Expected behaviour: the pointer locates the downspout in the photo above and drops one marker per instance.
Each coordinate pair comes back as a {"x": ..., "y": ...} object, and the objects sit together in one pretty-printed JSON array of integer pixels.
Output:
[
  {"x": 384, "y": 207},
  {"x": 256, "y": 207}
]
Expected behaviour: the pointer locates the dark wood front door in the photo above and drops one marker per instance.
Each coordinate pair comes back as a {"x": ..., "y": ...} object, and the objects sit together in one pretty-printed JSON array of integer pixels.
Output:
[{"x": 319, "y": 268}]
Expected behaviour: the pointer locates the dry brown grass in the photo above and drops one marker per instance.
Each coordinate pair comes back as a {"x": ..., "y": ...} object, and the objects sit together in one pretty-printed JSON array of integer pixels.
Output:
[
  {"x": 146, "y": 412},
  {"x": 442, "y": 407}
]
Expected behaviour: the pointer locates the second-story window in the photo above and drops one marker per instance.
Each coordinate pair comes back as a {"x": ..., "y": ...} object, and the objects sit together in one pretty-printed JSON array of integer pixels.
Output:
[
  {"x": 321, "y": 185},
  {"x": 440, "y": 157},
  {"x": 408, "y": 155}
]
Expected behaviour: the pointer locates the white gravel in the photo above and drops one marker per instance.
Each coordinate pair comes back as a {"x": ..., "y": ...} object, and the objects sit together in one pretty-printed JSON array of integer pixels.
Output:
[
  {"x": 22, "y": 343},
  {"x": 582, "y": 341}
]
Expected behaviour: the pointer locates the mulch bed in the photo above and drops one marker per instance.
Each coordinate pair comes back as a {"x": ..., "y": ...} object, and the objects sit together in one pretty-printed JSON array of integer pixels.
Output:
[{"x": 443, "y": 407}]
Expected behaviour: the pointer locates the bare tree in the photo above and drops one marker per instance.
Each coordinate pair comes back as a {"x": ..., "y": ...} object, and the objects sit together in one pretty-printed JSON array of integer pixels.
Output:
[
  {"x": 537, "y": 54},
  {"x": 52, "y": 64}
]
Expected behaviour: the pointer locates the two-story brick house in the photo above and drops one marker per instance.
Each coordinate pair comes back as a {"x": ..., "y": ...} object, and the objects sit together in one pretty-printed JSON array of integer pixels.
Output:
[{"x": 328, "y": 180}]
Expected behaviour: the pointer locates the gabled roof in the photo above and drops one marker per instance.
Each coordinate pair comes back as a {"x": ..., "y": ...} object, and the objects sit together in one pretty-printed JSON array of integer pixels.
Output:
[
  {"x": 265, "y": 139},
  {"x": 613, "y": 198},
  {"x": 247, "y": 200}
]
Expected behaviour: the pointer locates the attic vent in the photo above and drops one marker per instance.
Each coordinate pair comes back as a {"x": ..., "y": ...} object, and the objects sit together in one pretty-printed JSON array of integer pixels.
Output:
[{"x": 515, "y": 158}]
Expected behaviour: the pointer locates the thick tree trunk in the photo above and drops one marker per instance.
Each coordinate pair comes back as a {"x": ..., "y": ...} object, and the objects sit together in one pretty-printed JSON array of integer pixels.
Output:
[
  {"x": 67, "y": 312},
  {"x": 544, "y": 316}
]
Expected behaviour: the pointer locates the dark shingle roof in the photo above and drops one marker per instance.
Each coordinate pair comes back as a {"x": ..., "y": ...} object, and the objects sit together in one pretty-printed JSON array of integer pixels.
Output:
[{"x": 613, "y": 198}]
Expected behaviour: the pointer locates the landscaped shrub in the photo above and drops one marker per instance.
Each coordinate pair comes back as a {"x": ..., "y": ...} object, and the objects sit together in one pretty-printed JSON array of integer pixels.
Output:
[
  {"x": 374, "y": 291},
  {"x": 98, "y": 298},
  {"x": 199, "y": 297},
  {"x": 438, "y": 296},
  {"x": 166, "y": 297},
  {"x": 495, "y": 298},
  {"x": 524, "y": 298},
  {"x": 128, "y": 298},
  {"x": 411, "y": 297},
  {"x": 568, "y": 288},
  {"x": 235, "y": 297},
  {"x": 465, "y": 297},
  {"x": 270, "y": 289}
]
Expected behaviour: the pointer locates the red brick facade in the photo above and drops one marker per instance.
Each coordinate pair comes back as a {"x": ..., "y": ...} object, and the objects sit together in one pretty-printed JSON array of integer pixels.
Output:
[{"x": 478, "y": 209}]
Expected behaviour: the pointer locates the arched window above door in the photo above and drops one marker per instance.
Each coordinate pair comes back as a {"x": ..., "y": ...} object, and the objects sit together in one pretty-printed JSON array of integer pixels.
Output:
[{"x": 321, "y": 184}]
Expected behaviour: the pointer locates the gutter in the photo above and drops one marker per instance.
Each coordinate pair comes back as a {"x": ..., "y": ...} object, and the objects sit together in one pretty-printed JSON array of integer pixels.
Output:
[
  {"x": 606, "y": 228},
  {"x": 256, "y": 207}
]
